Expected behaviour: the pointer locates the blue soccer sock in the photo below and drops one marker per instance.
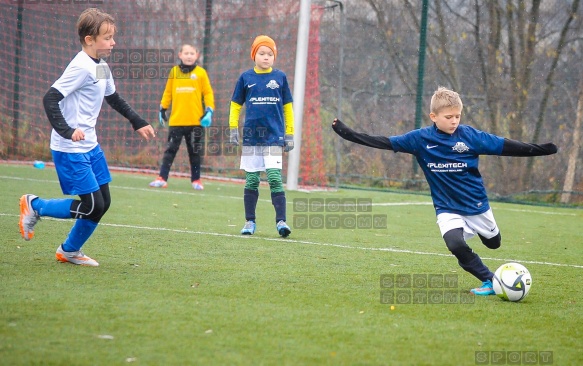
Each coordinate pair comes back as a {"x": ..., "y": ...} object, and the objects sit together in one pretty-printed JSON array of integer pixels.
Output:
[
  {"x": 278, "y": 200},
  {"x": 477, "y": 268},
  {"x": 250, "y": 197},
  {"x": 57, "y": 208},
  {"x": 79, "y": 234}
]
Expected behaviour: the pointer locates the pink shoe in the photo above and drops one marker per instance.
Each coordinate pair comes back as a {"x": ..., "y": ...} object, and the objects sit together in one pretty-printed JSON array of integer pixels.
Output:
[
  {"x": 197, "y": 185},
  {"x": 159, "y": 183}
]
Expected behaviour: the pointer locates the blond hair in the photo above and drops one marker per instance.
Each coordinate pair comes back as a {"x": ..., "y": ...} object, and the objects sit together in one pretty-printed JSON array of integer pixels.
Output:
[
  {"x": 444, "y": 98},
  {"x": 90, "y": 22},
  {"x": 188, "y": 45}
]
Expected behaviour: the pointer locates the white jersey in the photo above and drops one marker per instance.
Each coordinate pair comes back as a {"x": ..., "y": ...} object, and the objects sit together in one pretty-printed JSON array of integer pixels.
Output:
[{"x": 84, "y": 84}]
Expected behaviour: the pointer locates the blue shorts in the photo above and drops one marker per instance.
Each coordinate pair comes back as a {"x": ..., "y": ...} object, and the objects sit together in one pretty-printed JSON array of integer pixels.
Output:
[{"x": 81, "y": 173}]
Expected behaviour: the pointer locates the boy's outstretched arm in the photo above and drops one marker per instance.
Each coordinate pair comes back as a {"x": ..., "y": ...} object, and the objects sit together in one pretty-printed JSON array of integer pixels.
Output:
[
  {"x": 138, "y": 123},
  {"x": 378, "y": 142},
  {"x": 517, "y": 148}
]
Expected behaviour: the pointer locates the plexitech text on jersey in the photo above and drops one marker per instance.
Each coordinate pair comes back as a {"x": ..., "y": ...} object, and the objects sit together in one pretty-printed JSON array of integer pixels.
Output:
[
  {"x": 264, "y": 99},
  {"x": 446, "y": 165}
]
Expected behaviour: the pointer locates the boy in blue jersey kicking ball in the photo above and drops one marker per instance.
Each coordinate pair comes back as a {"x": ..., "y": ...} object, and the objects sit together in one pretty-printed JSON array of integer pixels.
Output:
[
  {"x": 72, "y": 105},
  {"x": 448, "y": 154},
  {"x": 268, "y": 130}
]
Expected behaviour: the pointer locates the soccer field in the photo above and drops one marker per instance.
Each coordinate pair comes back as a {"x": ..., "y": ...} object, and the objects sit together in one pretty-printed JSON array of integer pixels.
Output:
[{"x": 178, "y": 285}]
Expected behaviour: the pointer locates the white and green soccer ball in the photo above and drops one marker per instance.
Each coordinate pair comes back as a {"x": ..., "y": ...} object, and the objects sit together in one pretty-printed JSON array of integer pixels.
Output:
[{"x": 512, "y": 282}]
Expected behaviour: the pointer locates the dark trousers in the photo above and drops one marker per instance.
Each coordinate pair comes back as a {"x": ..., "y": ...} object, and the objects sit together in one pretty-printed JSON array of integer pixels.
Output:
[{"x": 194, "y": 138}]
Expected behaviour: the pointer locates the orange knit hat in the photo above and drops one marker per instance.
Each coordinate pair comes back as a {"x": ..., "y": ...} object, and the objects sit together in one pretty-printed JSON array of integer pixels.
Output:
[{"x": 263, "y": 41}]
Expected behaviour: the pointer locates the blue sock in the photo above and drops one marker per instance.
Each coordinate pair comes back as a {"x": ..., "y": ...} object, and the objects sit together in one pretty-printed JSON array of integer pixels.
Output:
[
  {"x": 79, "y": 234},
  {"x": 477, "y": 268},
  {"x": 278, "y": 200},
  {"x": 250, "y": 197},
  {"x": 57, "y": 208}
]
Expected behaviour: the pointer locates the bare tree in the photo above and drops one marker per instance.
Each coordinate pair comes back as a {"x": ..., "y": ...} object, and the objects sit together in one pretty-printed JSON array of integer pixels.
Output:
[
  {"x": 550, "y": 79},
  {"x": 574, "y": 149}
]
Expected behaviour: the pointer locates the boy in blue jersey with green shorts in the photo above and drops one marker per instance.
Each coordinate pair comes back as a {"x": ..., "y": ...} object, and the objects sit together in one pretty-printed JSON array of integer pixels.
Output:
[
  {"x": 72, "y": 105},
  {"x": 448, "y": 153},
  {"x": 267, "y": 132}
]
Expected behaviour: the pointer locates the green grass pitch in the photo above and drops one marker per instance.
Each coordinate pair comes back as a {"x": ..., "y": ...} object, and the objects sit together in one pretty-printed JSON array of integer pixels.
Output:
[{"x": 178, "y": 285}]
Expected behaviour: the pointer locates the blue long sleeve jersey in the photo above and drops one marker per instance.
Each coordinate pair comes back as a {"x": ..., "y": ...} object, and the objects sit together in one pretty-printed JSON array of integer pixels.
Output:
[
  {"x": 264, "y": 96},
  {"x": 450, "y": 165}
]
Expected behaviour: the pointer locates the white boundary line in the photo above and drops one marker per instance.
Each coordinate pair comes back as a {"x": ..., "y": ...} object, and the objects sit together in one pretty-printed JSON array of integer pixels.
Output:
[
  {"x": 305, "y": 242},
  {"x": 377, "y": 204}
]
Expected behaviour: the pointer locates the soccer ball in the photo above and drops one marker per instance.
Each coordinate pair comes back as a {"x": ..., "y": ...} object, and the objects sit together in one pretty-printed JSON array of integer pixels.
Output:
[{"x": 512, "y": 282}]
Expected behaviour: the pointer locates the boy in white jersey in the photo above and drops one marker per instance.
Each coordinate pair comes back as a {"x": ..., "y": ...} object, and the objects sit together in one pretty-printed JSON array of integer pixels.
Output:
[
  {"x": 448, "y": 153},
  {"x": 72, "y": 105},
  {"x": 268, "y": 130}
]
